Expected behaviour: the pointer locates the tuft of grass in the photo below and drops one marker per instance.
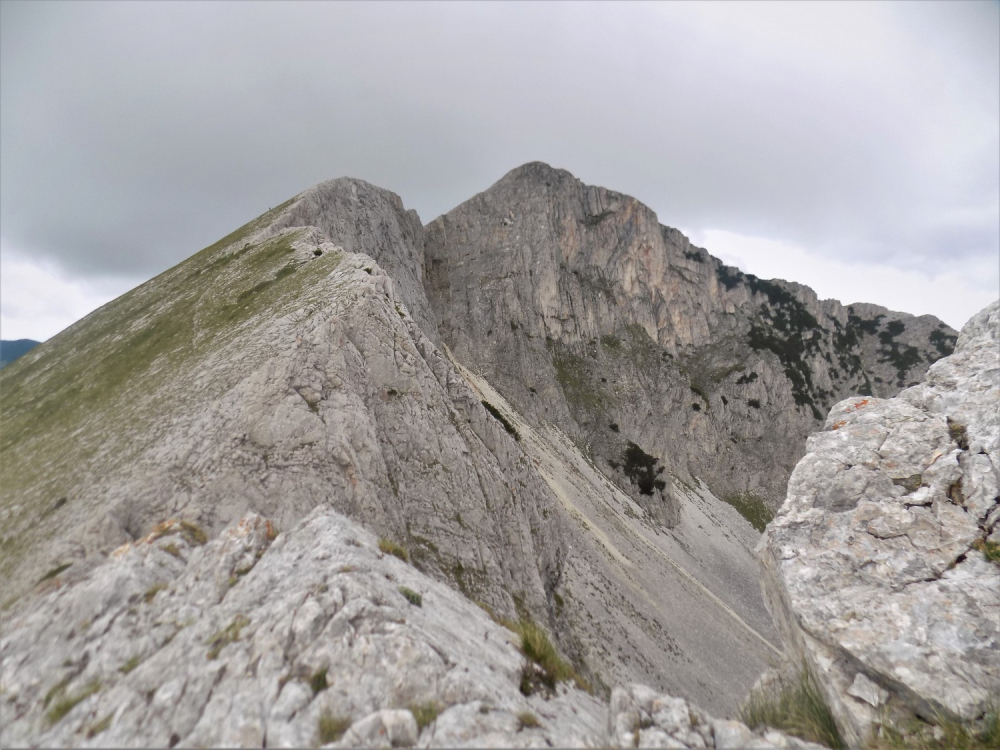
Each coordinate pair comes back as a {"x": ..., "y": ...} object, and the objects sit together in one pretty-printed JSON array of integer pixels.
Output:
[
  {"x": 132, "y": 663},
  {"x": 751, "y": 508},
  {"x": 331, "y": 728},
  {"x": 392, "y": 548},
  {"x": 527, "y": 720},
  {"x": 798, "y": 709},
  {"x": 229, "y": 634},
  {"x": 412, "y": 596},
  {"x": 318, "y": 681},
  {"x": 54, "y": 572},
  {"x": 172, "y": 549},
  {"x": 193, "y": 534},
  {"x": 990, "y": 550},
  {"x": 425, "y": 713},
  {"x": 943, "y": 734},
  {"x": 537, "y": 648},
  {"x": 152, "y": 591},
  {"x": 63, "y": 706},
  {"x": 95, "y": 729}
]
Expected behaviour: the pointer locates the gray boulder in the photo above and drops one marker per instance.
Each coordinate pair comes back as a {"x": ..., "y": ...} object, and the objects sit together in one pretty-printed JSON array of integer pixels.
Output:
[{"x": 874, "y": 568}]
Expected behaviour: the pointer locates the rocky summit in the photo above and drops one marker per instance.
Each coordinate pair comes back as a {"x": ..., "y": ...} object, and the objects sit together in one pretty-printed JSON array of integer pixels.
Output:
[{"x": 345, "y": 479}]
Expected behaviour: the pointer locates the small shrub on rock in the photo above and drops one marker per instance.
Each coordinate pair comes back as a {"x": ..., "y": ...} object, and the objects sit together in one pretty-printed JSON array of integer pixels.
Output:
[{"x": 390, "y": 547}]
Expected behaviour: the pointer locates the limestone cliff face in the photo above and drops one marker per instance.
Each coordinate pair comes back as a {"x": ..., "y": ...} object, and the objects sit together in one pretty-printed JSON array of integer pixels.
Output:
[
  {"x": 586, "y": 312},
  {"x": 875, "y": 567}
]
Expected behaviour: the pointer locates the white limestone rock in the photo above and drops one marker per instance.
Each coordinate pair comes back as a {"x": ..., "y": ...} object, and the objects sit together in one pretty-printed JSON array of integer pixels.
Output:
[{"x": 871, "y": 568}]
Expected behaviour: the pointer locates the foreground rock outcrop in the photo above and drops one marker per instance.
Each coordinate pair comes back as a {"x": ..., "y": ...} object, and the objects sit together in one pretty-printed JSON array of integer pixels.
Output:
[
  {"x": 312, "y": 636},
  {"x": 874, "y": 569}
]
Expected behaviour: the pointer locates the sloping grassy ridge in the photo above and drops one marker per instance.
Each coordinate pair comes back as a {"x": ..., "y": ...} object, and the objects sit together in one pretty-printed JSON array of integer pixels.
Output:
[{"x": 94, "y": 389}]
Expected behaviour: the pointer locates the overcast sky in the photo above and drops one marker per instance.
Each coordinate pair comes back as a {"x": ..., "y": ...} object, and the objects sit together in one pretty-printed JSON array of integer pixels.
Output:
[{"x": 850, "y": 146}]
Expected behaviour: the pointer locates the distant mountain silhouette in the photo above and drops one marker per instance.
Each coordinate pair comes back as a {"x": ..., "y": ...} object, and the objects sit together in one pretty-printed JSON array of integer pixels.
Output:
[{"x": 11, "y": 350}]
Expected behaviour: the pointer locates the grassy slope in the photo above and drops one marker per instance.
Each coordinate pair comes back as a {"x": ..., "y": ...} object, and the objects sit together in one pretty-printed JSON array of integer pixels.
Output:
[{"x": 94, "y": 396}]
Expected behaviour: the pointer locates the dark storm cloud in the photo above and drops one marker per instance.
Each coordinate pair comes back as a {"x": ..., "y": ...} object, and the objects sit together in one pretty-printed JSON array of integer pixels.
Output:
[{"x": 133, "y": 134}]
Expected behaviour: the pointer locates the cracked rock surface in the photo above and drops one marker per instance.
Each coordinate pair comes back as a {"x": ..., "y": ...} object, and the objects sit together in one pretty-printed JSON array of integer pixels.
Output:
[
  {"x": 873, "y": 568},
  {"x": 261, "y": 639}
]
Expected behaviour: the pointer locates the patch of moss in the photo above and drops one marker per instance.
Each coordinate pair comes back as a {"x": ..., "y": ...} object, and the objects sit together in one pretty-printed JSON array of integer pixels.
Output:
[
  {"x": 751, "y": 508},
  {"x": 63, "y": 706},
  {"x": 229, "y": 634},
  {"x": 152, "y": 591},
  {"x": 411, "y": 596},
  {"x": 132, "y": 663},
  {"x": 331, "y": 728},
  {"x": 425, "y": 713},
  {"x": 100, "y": 726},
  {"x": 318, "y": 681}
]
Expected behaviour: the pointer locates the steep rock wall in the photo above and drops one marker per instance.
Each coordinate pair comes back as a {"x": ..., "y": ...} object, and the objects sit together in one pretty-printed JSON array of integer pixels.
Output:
[{"x": 587, "y": 313}]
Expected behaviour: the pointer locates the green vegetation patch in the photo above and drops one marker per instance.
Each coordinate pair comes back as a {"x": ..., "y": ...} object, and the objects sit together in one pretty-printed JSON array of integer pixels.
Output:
[
  {"x": 941, "y": 734},
  {"x": 318, "y": 681},
  {"x": 411, "y": 596},
  {"x": 501, "y": 418},
  {"x": 64, "y": 705},
  {"x": 97, "y": 727},
  {"x": 798, "y": 709},
  {"x": 642, "y": 469},
  {"x": 55, "y": 571},
  {"x": 111, "y": 367},
  {"x": 538, "y": 649},
  {"x": 132, "y": 663},
  {"x": 751, "y": 508},
  {"x": 990, "y": 550},
  {"x": 229, "y": 634},
  {"x": 425, "y": 713},
  {"x": 331, "y": 728},
  {"x": 527, "y": 720},
  {"x": 152, "y": 591},
  {"x": 390, "y": 547},
  {"x": 943, "y": 342}
]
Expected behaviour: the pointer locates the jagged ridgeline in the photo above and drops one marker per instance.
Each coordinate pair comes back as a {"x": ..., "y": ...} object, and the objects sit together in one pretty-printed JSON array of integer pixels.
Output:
[{"x": 540, "y": 398}]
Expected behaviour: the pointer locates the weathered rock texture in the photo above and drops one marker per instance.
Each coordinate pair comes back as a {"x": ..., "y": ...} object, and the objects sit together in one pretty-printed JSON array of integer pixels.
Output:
[
  {"x": 509, "y": 393},
  {"x": 261, "y": 639},
  {"x": 277, "y": 372},
  {"x": 587, "y": 313},
  {"x": 873, "y": 568}
]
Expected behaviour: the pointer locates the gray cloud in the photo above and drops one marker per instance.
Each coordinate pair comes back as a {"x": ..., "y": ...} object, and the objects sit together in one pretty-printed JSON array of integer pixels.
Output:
[{"x": 132, "y": 134}]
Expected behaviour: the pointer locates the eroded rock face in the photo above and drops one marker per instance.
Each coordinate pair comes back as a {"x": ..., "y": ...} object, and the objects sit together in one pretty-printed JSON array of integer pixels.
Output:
[
  {"x": 311, "y": 636},
  {"x": 587, "y": 313},
  {"x": 277, "y": 372},
  {"x": 250, "y": 639},
  {"x": 872, "y": 568}
]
